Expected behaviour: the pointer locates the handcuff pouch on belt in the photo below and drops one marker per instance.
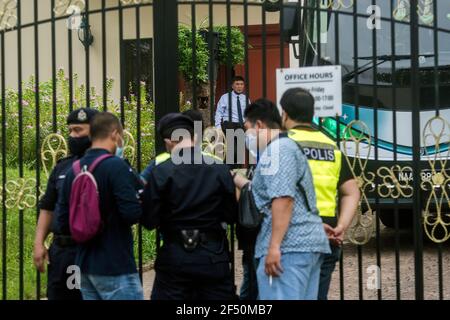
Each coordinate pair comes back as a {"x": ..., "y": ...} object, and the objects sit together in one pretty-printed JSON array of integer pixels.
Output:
[{"x": 191, "y": 238}]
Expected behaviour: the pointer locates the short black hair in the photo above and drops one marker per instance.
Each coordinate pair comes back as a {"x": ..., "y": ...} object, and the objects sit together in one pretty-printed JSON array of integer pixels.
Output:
[
  {"x": 265, "y": 111},
  {"x": 298, "y": 103},
  {"x": 195, "y": 115},
  {"x": 103, "y": 124},
  {"x": 237, "y": 78}
]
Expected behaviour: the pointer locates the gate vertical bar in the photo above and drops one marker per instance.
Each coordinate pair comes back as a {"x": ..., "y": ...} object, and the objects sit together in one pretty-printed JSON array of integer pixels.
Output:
[
  {"x": 4, "y": 212},
  {"x": 417, "y": 205},
  {"x": 394, "y": 133},
  {"x": 246, "y": 57},
  {"x": 104, "y": 62},
  {"x": 37, "y": 122},
  {"x": 123, "y": 85},
  {"x": 70, "y": 54},
  {"x": 138, "y": 124},
  {"x": 281, "y": 37},
  {"x": 212, "y": 70},
  {"x": 376, "y": 106},
  {"x": 357, "y": 95},
  {"x": 87, "y": 51},
  {"x": 437, "y": 103},
  {"x": 53, "y": 44},
  {"x": 264, "y": 53},
  {"x": 194, "y": 56},
  {"x": 165, "y": 20},
  {"x": 20, "y": 153}
]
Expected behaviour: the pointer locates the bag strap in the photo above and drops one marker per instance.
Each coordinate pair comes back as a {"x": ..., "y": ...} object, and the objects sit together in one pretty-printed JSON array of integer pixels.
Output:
[
  {"x": 76, "y": 167},
  {"x": 97, "y": 161}
]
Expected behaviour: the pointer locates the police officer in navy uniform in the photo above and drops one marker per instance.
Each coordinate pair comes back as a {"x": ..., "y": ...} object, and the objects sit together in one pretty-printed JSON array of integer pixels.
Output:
[
  {"x": 190, "y": 197},
  {"x": 62, "y": 251},
  {"x": 197, "y": 117}
]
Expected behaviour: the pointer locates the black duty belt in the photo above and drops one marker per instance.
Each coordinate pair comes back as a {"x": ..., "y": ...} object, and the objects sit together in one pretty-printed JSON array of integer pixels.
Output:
[
  {"x": 191, "y": 238},
  {"x": 64, "y": 240}
]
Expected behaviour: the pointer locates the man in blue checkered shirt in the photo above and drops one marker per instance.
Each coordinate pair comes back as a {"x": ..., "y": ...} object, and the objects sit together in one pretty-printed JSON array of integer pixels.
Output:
[{"x": 292, "y": 240}]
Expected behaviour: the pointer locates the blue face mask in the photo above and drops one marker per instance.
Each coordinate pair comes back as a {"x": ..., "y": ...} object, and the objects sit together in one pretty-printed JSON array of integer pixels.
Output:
[
  {"x": 251, "y": 142},
  {"x": 119, "y": 150}
]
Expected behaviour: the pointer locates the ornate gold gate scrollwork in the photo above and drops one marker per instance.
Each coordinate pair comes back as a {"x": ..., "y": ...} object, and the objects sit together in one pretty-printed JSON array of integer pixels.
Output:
[
  {"x": 391, "y": 186},
  {"x": 362, "y": 226},
  {"x": 129, "y": 147},
  {"x": 20, "y": 194},
  {"x": 61, "y": 6},
  {"x": 8, "y": 14},
  {"x": 53, "y": 149},
  {"x": 214, "y": 142},
  {"x": 436, "y": 213}
]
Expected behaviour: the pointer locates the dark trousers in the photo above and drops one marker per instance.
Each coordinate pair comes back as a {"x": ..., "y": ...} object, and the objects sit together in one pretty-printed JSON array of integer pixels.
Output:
[
  {"x": 326, "y": 271},
  {"x": 60, "y": 259},
  {"x": 249, "y": 287},
  {"x": 233, "y": 159},
  {"x": 203, "y": 274}
]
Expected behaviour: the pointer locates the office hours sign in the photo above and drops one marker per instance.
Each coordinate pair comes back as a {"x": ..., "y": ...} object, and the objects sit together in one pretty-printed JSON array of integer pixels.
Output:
[{"x": 324, "y": 83}]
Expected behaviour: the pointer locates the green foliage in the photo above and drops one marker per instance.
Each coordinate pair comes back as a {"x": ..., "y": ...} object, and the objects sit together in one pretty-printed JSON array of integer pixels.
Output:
[
  {"x": 52, "y": 115},
  {"x": 12, "y": 253},
  {"x": 52, "y": 118},
  {"x": 185, "y": 55},
  {"x": 237, "y": 45},
  {"x": 186, "y": 51}
]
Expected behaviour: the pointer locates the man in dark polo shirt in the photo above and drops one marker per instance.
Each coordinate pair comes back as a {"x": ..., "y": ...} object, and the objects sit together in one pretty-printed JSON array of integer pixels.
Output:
[
  {"x": 107, "y": 263},
  {"x": 61, "y": 254}
]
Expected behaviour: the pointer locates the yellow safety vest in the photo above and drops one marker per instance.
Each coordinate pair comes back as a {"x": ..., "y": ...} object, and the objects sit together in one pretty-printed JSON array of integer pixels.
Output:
[
  {"x": 324, "y": 159},
  {"x": 163, "y": 157}
]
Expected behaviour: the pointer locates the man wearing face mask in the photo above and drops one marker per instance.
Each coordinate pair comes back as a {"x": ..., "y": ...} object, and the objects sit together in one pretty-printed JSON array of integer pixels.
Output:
[
  {"x": 291, "y": 241},
  {"x": 62, "y": 250},
  {"x": 267, "y": 112},
  {"x": 107, "y": 261}
]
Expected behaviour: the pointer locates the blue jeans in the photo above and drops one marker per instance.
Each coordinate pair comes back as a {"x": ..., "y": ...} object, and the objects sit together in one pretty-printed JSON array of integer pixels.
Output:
[
  {"x": 123, "y": 287},
  {"x": 326, "y": 271},
  {"x": 299, "y": 280}
]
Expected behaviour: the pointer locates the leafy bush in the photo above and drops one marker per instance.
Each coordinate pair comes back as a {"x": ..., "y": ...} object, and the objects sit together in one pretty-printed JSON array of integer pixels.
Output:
[
  {"x": 52, "y": 116},
  {"x": 237, "y": 48},
  {"x": 185, "y": 50}
]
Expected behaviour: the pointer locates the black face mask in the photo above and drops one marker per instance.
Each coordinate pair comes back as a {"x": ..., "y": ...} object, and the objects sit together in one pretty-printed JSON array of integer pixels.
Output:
[{"x": 78, "y": 146}]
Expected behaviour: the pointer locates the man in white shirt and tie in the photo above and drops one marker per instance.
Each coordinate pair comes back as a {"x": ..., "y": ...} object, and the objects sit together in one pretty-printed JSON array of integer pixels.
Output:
[{"x": 230, "y": 116}]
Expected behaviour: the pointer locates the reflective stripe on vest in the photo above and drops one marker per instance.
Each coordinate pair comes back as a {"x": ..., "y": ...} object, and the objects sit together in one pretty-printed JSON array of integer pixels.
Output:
[
  {"x": 324, "y": 159},
  {"x": 163, "y": 157}
]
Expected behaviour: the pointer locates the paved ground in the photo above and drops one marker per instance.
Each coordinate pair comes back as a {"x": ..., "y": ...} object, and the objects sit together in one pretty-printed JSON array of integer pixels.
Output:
[{"x": 351, "y": 278}]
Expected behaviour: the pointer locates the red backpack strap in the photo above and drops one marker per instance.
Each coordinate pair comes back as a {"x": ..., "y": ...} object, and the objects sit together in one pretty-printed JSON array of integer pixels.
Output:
[
  {"x": 76, "y": 167},
  {"x": 97, "y": 161}
]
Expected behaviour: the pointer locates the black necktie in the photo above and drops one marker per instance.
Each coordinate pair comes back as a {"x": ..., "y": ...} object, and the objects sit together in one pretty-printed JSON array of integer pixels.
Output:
[{"x": 241, "y": 119}]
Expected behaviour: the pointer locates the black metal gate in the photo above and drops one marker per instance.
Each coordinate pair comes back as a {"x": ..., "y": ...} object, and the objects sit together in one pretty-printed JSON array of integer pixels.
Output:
[{"x": 128, "y": 57}]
